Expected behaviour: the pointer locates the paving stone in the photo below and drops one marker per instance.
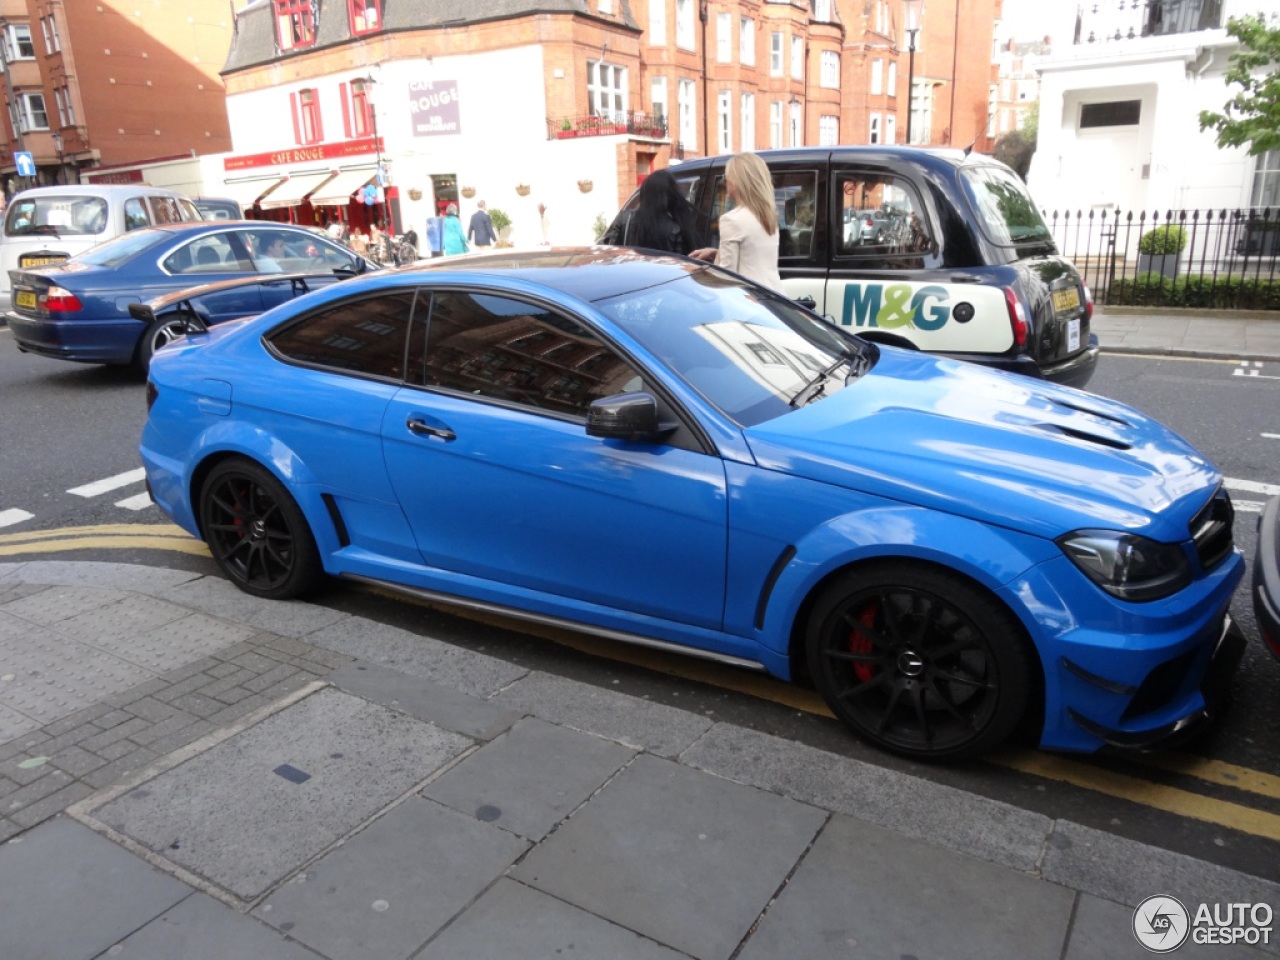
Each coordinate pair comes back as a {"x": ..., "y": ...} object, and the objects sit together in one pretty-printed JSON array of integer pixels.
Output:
[
  {"x": 188, "y": 670},
  {"x": 76, "y": 761},
  {"x": 137, "y": 692},
  {"x": 233, "y": 696},
  {"x": 51, "y": 805},
  {"x": 7, "y": 787},
  {"x": 55, "y": 604},
  {"x": 36, "y": 790},
  {"x": 269, "y": 677},
  {"x": 230, "y": 682},
  {"x": 180, "y": 738},
  {"x": 119, "y": 732},
  {"x": 70, "y": 722},
  {"x": 182, "y": 687},
  {"x": 133, "y": 617},
  {"x": 222, "y": 670},
  {"x": 198, "y": 705},
  {"x": 158, "y": 731},
  {"x": 14, "y": 724},
  {"x": 112, "y": 718},
  {"x": 371, "y": 897},
  {"x": 151, "y": 709},
  {"x": 231, "y": 653},
  {"x": 114, "y": 751},
  {"x": 117, "y": 770},
  {"x": 55, "y": 676},
  {"x": 15, "y": 771},
  {"x": 23, "y": 745},
  {"x": 8, "y": 829}
]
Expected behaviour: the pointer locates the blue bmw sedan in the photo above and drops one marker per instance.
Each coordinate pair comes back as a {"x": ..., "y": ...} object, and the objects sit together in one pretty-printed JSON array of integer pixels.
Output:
[
  {"x": 654, "y": 450},
  {"x": 79, "y": 309}
]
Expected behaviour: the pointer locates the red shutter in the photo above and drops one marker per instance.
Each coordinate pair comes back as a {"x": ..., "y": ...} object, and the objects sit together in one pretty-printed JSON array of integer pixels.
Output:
[
  {"x": 346, "y": 110},
  {"x": 293, "y": 111}
]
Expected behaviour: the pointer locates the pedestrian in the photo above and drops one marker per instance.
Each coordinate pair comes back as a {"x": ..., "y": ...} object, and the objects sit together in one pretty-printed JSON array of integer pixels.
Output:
[
  {"x": 455, "y": 241},
  {"x": 480, "y": 231},
  {"x": 748, "y": 231},
  {"x": 663, "y": 218}
]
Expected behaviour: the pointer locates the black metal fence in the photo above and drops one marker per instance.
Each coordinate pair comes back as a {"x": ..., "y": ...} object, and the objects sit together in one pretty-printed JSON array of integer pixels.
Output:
[{"x": 1189, "y": 258}]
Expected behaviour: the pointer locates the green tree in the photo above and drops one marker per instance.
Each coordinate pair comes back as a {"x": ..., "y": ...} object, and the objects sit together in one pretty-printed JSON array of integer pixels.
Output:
[{"x": 1252, "y": 116}]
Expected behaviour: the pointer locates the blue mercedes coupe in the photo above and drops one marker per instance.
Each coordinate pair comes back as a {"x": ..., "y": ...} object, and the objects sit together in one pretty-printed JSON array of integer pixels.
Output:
[{"x": 654, "y": 450}]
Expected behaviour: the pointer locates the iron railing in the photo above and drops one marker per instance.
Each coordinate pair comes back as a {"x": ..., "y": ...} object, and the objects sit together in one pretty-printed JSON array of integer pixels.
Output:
[
  {"x": 1103, "y": 22},
  {"x": 632, "y": 123},
  {"x": 1230, "y": 258}
]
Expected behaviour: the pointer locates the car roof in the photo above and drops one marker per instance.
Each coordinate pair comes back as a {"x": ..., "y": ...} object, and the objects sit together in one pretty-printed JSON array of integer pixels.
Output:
[
  {"x": 930, "y": 157},
  {"x": 95, "y": 190},
  {"x": 629, "y": 269}
]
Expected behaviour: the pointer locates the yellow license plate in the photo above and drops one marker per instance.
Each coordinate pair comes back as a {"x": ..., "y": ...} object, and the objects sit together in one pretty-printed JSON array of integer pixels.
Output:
[
  {"x": 24, "y": 262},
  {"x": 1067, "y": 299},
  {"x": 25, "y": 298}
]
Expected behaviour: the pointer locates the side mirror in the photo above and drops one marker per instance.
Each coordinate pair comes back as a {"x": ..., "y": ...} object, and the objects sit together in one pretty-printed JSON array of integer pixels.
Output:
[{"x": 626, "y": 416}]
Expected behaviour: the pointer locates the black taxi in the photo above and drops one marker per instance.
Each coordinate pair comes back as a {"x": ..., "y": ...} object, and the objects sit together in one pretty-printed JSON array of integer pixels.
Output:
[{"x": 935, "y": 250}]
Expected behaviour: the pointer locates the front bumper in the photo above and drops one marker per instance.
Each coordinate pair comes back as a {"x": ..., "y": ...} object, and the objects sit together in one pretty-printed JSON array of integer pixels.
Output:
[
  {"x": 1266, "y": 575},
  {"x": 1076, "y": 371}
]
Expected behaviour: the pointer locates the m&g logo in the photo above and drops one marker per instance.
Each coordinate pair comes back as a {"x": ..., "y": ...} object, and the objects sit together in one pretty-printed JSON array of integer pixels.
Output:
[{"x": 894, "y": 305}]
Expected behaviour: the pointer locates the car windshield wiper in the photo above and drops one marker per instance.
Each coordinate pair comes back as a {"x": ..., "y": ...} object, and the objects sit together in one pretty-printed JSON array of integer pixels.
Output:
[{"x": 857, "y": 363}]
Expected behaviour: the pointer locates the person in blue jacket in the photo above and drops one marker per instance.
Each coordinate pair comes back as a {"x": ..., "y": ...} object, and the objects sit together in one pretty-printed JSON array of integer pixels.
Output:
[{"x": 455, "y": 240}]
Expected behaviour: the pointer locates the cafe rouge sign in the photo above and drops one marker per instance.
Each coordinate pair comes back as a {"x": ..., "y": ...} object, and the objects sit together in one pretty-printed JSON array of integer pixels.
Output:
[{"x": 320, "y": 151}]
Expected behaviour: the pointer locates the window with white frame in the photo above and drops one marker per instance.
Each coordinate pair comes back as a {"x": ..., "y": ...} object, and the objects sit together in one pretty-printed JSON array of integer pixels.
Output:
[
  {"x": 992, "y": 110},
  {"x": 1265, "y": 191},
  {"x": 366, "y": 16},
  {"x": 891, "y": 128},
  {"x": 295, "y": 24},
  {"x": 822, "y": 11},
  {"x": 607, "y": 89},
  {"x": 724, "y": 37},
  {"x": 686, "y": 93},
  {"x": 775, "y": 54},
  {"x": 658, "y": 23},
  {"x": 49, "y": 27},
  {"x": 828, "y": 130},
  {"x": 881, "y": 16},
  {"x": 873, "y": 130},
  {"x": 893, "y": 78},
  {"x": 724, "y": 121},
  {"x": 66, "y": 111},
  {"x": 747, "y": 137},
  {"x": 877, "y": 77},
  {"x": 17, "y": 42},
  {"x": 829, "y": 71},
  {"x": 747, "y": 41},
  {"x": 30, "y": 112},
  {"x": 797, "y": 58},
  {"x": 604, "y": 6},
  {"x": 921, "y": 112},
  {"x": 775, "y": 124},
  {"x": 658, "y": 99},
  {"x": 797, "y": 126},
  {"x": 684, "y": 24}
]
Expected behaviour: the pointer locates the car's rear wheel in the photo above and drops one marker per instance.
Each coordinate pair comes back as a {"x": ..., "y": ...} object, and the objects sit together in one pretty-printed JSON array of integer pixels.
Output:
[
  {"x": 257, "y": 533},
  {"x": 160, "y": 333},
  {"x": 919, "y": 661}
]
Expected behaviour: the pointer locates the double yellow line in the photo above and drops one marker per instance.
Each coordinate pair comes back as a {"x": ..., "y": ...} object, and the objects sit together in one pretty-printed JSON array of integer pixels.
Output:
[{"x": 108, "y": 536}]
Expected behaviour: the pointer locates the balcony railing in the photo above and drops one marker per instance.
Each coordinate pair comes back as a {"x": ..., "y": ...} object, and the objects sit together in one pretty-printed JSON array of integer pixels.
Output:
[
  {"x": 632, "y": 123},
  {"x": 1107, "y": 21},
  {"x": 1231, "y": 258}
]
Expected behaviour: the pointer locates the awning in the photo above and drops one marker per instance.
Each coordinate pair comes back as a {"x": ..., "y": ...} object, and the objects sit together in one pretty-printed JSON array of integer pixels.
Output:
[
  {"x": 294, "y": 190},
  {"x": 337, "y": 192},
  {"x": 248, "y": 192}
]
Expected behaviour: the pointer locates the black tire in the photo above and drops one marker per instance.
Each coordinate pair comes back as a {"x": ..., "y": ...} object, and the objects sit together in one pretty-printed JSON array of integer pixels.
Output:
[
  {"x": 919, "y": 661},
  {"x": 257, "y": 533},
  {"x": 161, "y": 332}
]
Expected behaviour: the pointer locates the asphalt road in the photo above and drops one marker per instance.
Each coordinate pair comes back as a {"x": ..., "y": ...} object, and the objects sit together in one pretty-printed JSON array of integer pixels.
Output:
[{"x": 69, "y": 434}]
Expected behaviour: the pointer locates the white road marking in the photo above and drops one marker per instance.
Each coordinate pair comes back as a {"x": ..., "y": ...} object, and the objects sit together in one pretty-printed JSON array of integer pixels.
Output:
[
  {"x": 1271, "y": 436},
  {"x": 1247, "y": 506},
  {"x": 1251, "y": 486},
  {"x": 109, "y": 484},
  {"x": 9, "y": 517},
  {"x": 139, "y": 502}
]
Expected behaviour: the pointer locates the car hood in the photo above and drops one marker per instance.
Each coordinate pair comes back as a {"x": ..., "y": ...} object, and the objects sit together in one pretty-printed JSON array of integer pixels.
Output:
[{"x": 1000, "y": 448}]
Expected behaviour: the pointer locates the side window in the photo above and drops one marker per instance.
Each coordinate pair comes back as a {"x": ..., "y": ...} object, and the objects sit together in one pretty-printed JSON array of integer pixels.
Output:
[
  {"x": 208, "y": 254},
  {"x": 165, "y": 210},
  {"x": 517, "y": 352},
  {"x": 135, "y": 214},
  {"x": 796, "y": 194},
  {"x": 882, "y": 222},
  {"x": 362, "y": 336}
]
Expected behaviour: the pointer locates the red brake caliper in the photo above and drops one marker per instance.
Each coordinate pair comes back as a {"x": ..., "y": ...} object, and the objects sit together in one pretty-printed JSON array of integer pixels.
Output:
[{"x": 859, "y": 642}]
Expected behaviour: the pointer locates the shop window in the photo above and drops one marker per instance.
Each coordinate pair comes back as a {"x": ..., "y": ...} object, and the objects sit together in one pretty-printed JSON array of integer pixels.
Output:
[
  {"x": 295, "y": 24},
  {"x": 366, "y": 15}
]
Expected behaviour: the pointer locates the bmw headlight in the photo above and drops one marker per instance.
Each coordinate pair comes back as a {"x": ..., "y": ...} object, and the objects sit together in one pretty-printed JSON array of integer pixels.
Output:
[{"x": 1126, "y": 565}]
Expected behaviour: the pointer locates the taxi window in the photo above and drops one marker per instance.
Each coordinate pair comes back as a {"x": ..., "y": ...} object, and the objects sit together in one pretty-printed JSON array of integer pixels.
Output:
[
  {"x": 796, "y": 194},
  {"x": 881, "y": 222},
  {"x": 60, "y": 216},
  {"x": 135, "y": 214},
  {"x": 165, "y": 210}
]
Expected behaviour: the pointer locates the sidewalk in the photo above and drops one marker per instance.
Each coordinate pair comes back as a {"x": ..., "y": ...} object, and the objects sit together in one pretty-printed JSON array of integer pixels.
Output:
[
  {"x": 186, "y": 771},
  {"x": 1213, "y": 334}
]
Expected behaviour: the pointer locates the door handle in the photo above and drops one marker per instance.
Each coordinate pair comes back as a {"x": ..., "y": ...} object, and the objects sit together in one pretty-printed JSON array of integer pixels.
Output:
[{"x": 423, "y": 429}]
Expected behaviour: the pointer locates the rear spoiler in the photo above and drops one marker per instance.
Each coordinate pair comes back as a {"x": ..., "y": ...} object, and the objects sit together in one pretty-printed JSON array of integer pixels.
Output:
[{"x": 182, "y": 302}]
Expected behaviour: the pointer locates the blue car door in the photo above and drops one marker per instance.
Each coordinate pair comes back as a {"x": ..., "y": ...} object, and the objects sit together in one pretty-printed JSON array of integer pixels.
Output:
[{"x": 502, "y": 486}]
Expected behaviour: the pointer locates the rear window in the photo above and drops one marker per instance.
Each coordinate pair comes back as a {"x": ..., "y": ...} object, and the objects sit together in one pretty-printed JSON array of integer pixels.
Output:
[
  {"x": 56, "y": 216},
  {"x": 1006, "y": 212},
  {"x": 112, "y": 253}
]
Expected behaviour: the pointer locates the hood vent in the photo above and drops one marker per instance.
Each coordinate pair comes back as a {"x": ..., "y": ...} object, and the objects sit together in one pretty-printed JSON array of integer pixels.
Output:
[
  {"x": 1092, "y": 412},
  {"x": 1112, "y": 442}
]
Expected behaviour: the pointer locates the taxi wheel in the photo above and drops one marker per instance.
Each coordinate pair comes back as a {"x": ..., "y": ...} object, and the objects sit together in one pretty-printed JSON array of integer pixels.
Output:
[
  {"x": 257, "y": 533},
  {"x": 920, "y": 661},
  {"x": 159, "y": 334}
]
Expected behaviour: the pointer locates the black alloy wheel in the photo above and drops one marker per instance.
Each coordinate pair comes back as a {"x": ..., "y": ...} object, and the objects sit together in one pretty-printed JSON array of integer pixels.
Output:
[
  {"x": 257, "y": 533},
  {"x": 920, "y": 662}
]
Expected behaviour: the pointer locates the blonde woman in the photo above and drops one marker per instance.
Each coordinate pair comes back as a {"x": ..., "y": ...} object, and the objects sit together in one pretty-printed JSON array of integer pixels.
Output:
[{"x": 748, "y": 232}]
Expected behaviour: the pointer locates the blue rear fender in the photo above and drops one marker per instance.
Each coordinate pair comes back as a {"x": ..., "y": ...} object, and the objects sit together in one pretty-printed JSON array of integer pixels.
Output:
[{"x": 990, "y": 556}]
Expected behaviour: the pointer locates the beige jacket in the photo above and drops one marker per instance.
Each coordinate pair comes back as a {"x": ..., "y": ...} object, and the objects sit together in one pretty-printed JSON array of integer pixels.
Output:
[{"x": 746, "y": 249}]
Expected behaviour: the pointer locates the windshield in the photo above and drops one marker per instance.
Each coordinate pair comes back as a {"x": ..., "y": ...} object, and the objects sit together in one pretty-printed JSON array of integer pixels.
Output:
[
  {"x": 112, "y": 253},
  {"x": 1005, "y": 210},
  {"x": 62, "y": 215},
  {"x": 749, "y": 353}
]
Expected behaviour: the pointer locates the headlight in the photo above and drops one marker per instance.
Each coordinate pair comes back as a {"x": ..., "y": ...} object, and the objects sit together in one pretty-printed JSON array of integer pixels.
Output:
[{"x": 1126, "y": 565}]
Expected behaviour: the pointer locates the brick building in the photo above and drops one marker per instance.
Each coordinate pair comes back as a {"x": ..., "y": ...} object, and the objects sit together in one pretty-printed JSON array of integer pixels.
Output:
[{"x": 109, "y": 82}]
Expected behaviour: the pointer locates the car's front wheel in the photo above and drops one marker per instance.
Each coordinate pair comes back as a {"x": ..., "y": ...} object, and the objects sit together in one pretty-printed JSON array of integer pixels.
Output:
[
  {"x": 919, "y": 661},
  {"x": 257, "y": 533}
]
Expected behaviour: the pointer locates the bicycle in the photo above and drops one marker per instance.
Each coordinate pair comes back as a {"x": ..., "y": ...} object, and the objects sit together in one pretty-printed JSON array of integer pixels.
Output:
[{"x": 396, "y": 251}]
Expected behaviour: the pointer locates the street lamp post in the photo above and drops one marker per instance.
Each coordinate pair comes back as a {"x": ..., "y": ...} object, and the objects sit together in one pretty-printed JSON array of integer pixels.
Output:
[
  {"x": 57, "y": 145},
  {"x": 379, "y": 178},
  {"x": 914, "y": 12}
]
